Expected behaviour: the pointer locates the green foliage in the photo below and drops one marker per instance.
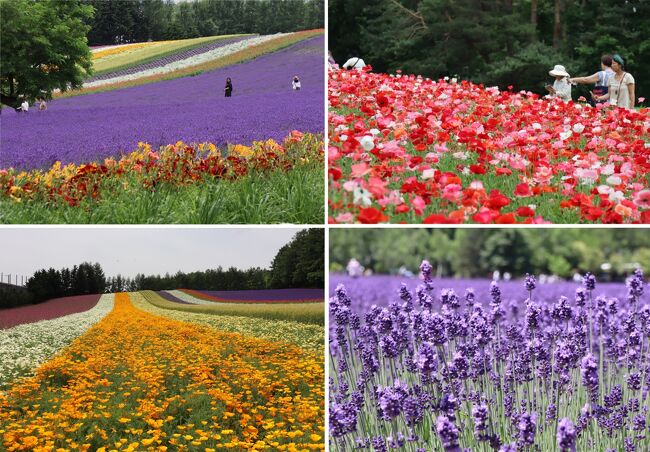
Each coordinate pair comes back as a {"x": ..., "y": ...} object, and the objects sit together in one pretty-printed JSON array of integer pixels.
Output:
[
  {"x": 120, "y": 21},
  {"x": 11, "y": 296},
  {"x": 478, "y": 252},
  {"x": 300, "y": 263},
  {"x": 44, "y": 48},
  {"x": 492, "y": 42},
  {"x": 84, "y": 279}
]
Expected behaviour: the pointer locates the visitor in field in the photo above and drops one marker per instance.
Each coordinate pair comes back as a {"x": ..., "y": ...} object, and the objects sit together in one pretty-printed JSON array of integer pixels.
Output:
[
  {"x": 42, "y": 105},
  {"x": 295, "y": 83},
  {"x": 354, "y": 63},
  {"x": 228, "y": 89},
  {"x": 331, "y": 62},
  {"x": 620, "y": 92},
  {"x": 600, "y": 79},
  {"x": 24, "y": 106},
  {"x": 561, "y": 87}
]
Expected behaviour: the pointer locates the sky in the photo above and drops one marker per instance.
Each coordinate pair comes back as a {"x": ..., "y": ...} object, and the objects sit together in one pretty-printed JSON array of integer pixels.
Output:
[{"x": 129, "y": 251}]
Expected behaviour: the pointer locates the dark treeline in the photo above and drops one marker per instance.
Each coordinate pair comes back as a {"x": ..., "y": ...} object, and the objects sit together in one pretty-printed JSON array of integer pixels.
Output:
[
  {"x": 82, "y": 279},
  {"x": 298, "y": 264},
  {"x": 214, "y": 279},
  {"x": 502, "y": 42},
  {"x": 121, "y": 21},
  {"x": 11, "y": 295},
  {"x": 478, "y": 252}
]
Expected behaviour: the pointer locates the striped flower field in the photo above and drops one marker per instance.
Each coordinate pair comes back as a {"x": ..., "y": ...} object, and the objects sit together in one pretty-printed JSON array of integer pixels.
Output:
[{"x": 146, "y": 378}]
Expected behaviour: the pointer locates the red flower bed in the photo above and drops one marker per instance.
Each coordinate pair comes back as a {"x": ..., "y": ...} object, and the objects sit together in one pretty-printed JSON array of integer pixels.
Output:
[
  {"x": 51, "y": 309},
  {"x": 404, "y": 149}
]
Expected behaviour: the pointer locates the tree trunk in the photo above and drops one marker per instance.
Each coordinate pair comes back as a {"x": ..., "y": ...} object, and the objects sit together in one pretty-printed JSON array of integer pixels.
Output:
[
  {"x": 557, "y": 28},
  {"x": 533, "y": 18}
]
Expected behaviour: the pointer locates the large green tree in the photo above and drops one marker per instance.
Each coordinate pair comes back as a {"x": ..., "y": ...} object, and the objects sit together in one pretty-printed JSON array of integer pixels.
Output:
[{"x": 43, "y": 47}]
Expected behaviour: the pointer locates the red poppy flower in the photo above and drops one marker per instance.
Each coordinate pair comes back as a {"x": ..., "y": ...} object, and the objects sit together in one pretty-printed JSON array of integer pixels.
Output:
[
  {"x": 371, "y": 215},
  {"x": 523, "y": 190}
]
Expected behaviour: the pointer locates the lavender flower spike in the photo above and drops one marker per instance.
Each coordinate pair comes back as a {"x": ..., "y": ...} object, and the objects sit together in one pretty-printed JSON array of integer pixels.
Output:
[
  {"x": 448, "y": 434},
  {"x": 566, "y": 435}
]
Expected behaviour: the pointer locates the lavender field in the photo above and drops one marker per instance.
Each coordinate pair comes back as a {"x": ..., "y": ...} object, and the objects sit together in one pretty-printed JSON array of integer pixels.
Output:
[
  {"x": 381, "y": 290},
  {"x": 192, "y": 109},
  {"x": 509, "y": 367},
  {"x": 286, "y": 295}
]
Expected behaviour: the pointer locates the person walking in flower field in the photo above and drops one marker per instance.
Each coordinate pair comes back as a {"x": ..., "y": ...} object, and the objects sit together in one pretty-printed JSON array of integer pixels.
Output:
[
  {"x": 620, "y": 86},
  {"x": 600, "y": 79},
  {"x": 354, "y": 63},
  {"x": 228, "y": 88},
  {"x": 295, "y": 83}
]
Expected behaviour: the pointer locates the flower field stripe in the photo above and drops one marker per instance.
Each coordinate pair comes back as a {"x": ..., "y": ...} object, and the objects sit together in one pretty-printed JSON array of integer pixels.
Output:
[
  {"x": 178, "y": 164},
  {"x": 293, "y": 312},
  {"x": 107, "y": 51},
  {"x": 46, "y": 310},
  {"x": 24, "y": 347},
  {"x": 194, "y": 60},
  {"x": 159, "y": 57},
  {"x": 137, "y": 381},
  {"x": 155, "y": 52},
  {"x": 255, "y": 296},
  {"x": 414, "y": 150},
  {"x": 187, "y": 298},
  {"x": 308, "y": 336},
  {"x": 167, "y": 295},
  {"x": 241, "y": 56}
]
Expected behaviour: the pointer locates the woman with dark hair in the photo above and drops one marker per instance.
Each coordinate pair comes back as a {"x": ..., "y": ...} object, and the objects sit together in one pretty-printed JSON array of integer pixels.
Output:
[
  {"x": 620, "y": 86},
  {"x": 600, "y": 78},
  {"x": 228, "y": 89}
]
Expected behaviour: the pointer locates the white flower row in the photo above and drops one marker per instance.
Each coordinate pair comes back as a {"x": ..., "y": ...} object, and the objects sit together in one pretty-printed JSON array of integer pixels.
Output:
[
  {"x": 306, "y": 336},
  {"x": 116, "y": 46},
  {"x": 24, "y": 347},
  {"x": 219, "y": 52},
  {"x": 188, "y": 298}
]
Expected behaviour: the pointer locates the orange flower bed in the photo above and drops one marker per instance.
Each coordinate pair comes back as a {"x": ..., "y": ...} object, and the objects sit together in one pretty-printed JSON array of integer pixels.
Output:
[{"x": 136, "y": 381}]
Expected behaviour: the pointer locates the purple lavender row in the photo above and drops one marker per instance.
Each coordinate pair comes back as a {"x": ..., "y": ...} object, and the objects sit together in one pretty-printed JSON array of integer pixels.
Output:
[
  {"x": 381, "y": 290},
  {"x": 169, "y": 297},
  {"x": 192, "y": 109},
  {"x": 440, "y": 371},
  {"x": 168, "y": 59},
  {"x": 271, "y": 294}
]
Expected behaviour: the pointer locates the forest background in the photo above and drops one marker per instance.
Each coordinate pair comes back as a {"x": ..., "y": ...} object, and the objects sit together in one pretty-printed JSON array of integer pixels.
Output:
[
  {"x": 612, "y": 254},
  {"x": 495, "y": 42}
]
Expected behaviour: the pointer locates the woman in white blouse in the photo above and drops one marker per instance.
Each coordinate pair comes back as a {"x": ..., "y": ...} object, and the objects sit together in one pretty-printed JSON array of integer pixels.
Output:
[
  {"x": 561, "y": 87},
  {"x": 620, "y": 87}
]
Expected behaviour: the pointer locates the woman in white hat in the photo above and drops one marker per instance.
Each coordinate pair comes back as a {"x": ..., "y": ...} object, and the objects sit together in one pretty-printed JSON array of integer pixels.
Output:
[{"x": 561, "y": 87}]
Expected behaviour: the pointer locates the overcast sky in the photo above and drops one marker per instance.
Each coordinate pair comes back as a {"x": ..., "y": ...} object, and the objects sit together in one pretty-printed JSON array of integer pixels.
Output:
[{"x": 130, "y": 251}]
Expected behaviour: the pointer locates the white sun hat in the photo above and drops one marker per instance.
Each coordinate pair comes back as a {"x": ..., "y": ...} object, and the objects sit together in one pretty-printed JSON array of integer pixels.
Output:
[{"x": 559, "y": 70}]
